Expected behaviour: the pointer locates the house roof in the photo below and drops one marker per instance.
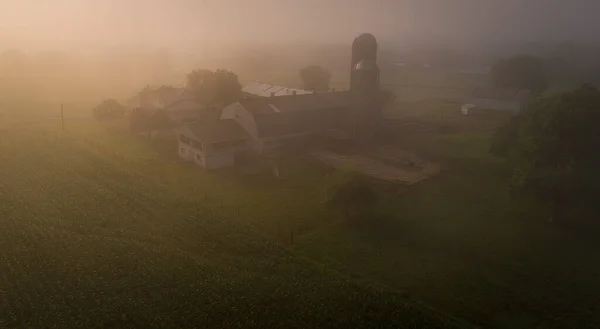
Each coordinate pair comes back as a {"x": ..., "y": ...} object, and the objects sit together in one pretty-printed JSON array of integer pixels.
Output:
[
  {"x": 283, "y": 104},
  {"x": 215, "y": 131},
  {"x": 268, "y": 90}
]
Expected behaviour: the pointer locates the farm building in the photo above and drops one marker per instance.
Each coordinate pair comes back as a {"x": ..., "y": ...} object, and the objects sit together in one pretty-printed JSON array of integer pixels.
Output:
[
  {"x": 260, "y": 125},
  {"x": 213, "y": 144},
  {"x": 257, "y": 89}
]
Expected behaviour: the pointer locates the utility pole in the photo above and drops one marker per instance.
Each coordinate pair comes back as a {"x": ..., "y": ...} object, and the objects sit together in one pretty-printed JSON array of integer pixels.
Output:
[{"x": 62, "y": 117}]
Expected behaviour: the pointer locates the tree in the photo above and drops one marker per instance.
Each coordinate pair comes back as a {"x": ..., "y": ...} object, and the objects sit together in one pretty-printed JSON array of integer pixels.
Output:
[
  {"x": 520, "y": 72},
  {"x": 221, "y": 87},
  {"x": 553, "y": 148},
  {"x": 109, "y": 109},
  {"x": 315, "y": 78}
]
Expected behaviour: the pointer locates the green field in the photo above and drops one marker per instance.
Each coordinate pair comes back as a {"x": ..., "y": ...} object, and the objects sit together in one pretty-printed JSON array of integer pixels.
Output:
[
  {"x": 95, "y": 202},
  {"x": 88, "y": 241}
]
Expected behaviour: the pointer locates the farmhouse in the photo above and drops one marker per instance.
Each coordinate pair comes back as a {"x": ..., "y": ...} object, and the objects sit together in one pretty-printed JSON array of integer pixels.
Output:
[{"x": 261, "y": 125}]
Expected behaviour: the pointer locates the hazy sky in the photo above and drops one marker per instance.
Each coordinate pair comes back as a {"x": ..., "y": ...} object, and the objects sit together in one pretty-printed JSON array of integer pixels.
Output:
[{"x": 87, "y": 23}]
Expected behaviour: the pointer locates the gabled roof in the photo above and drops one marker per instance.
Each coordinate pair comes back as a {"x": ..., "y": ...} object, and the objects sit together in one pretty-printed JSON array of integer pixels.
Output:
[
  {"x": 215, "y": 131},
  {"x": 283, "y": 104},
  {"x": 268, "y": 90}
]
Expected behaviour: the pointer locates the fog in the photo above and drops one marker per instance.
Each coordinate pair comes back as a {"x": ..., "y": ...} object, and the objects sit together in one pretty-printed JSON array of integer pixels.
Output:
[
  {"x": 78, "y": 24},
  {"x": 103, "y": 48}
]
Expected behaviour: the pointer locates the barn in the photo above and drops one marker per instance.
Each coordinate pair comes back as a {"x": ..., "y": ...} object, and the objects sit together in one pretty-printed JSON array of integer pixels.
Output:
[{"x": 260, "y": 125}]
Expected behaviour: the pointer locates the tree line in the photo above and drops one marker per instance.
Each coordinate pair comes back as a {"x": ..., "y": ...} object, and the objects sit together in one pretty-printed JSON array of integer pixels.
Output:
[{"x": 552, "y": 145}]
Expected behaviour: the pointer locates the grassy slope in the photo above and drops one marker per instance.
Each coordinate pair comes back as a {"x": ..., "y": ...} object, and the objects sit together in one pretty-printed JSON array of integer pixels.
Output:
[
  {"x": 453, "y": 241},
  {"x": 456, "y": 242},
  {"x": 87, "y": 244}
]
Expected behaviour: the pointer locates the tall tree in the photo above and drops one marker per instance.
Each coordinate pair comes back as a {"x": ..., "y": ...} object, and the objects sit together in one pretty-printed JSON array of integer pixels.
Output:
[
  {"x": 220, "y": 87},
  {"x": 554, "y": 148},
  {"x": 520, "y": 72},
  {"x": 315, "y": 78}
]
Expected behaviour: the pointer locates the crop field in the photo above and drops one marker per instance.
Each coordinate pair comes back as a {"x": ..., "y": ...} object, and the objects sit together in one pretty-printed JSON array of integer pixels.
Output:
[
  {"x": 88, "y": 243},
  {"x": 455, "y": 243}
]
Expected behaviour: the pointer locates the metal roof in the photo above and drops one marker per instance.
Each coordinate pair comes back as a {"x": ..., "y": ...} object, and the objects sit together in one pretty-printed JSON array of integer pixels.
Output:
[
  {"x": 268, "y": 90},
  {"x": 283, "y": 104}
]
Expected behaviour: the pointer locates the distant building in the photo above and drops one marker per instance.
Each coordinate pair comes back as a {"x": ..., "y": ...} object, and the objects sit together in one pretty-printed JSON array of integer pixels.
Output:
[
  {"x": 508, "y": 100},
  {"x": 261, "y": 125},
  {"x": 257, "y": 89}
]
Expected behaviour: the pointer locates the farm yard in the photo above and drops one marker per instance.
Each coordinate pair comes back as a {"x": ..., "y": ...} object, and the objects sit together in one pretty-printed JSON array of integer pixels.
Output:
[{"x": 95, "y": 202}]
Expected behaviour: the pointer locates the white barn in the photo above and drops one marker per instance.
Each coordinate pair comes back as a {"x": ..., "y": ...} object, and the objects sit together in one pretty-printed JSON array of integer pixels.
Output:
[
  {"x": 212, "y": 144},
  {"x": 261, "y": 125}
]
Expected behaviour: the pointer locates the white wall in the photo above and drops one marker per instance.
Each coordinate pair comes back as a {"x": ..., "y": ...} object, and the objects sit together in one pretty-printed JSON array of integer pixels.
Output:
[
  {"x": 190, "y": 153},
  {"x": 243, "y": 146}
]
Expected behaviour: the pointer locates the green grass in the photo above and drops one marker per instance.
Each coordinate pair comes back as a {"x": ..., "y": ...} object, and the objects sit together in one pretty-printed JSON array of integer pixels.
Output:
[
  {"x": 454, "y": 242},
  {"x": 87, "y": 242}
]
